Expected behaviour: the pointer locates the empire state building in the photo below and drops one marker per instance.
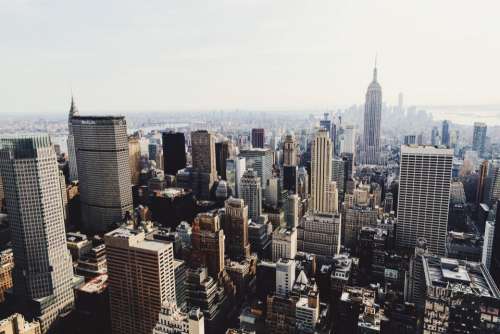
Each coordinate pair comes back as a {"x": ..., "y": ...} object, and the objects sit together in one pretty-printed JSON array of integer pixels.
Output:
[{"x": 372, "y": 117}]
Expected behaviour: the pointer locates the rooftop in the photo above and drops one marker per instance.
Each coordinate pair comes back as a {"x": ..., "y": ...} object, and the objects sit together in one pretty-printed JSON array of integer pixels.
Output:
[
  {"x": 96, "y": 285},
  {"x": 426, "y": 149},
  {"x": 459, "y": 275}
]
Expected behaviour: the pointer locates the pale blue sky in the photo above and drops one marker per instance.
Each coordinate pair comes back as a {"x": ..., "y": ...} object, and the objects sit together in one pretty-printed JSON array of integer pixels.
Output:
[{"x": 125, "y": 55}]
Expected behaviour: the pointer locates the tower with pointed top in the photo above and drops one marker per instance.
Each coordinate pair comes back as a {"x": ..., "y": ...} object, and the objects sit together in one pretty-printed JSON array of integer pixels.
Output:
[
  {"x": 372, "y": 118},
  {"x": 73, "y": 169}
]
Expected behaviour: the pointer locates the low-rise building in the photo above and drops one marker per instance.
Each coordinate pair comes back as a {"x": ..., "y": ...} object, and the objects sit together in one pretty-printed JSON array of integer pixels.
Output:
[{"x": 16, "y": 324}]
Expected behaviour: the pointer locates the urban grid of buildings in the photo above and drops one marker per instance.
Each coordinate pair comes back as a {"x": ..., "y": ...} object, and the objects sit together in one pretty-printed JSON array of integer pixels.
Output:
[{"x": 214, "y": 225}]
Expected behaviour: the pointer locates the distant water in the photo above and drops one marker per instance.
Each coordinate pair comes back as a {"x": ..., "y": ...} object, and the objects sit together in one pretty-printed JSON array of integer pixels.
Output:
[{"x": 466, "y": 115}]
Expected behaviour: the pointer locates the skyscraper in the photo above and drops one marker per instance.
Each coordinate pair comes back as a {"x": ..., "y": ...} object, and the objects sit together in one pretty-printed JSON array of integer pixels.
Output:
[
  {"x": 236, "y": 229},
  {"x": 251, "y": 193},
  {"x": 483, "y": 173},
  {"x": 348, "y": 142},
  {"x": 102, "y": 154},
  {"x": 423, "y": 196},
  {"x": 73, "y": 168},
  {"x": 479, "y": 137},
  {"x": 435, "y": 139},
  {"x": 141, "y": 279},
  {"x": 174, "y": 152},
  {"x": 495, "y": 248},
  {"x": 445, "y": 134},
  {"x": 372, "y": 118},
  {"x": 285, "y": 277},
  {"x": 134, "y": 153},
  {"x": 235, "y": 168},
  {"x": 321, "y": 171},
  {"x": 222, "y": 153},
  {"x": 43, "y": 269},
  {"x": 258, "y": 138},
  {"x": 261, "y": 161},
  {"x": 207, "y": 242},
  {"x": 203, "y": 156},
  {"x": 290, "y": 150},
  {"x": 326, "y": 124}
]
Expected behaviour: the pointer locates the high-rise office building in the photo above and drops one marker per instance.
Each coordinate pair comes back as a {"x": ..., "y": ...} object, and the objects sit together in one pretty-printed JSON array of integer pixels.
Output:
[
  {"x": 348, "y": 142},
  {"x": 483, "y": 174},
  {"x": 489, "y": 235},
  {"x": 495, "y": 248},
  {"x": 261, "y": 161},
  {"x": 152, "y": 151},
  {"x": 319, "y": 234},
  {"x": 222, "y": 153},
  {"x": 258, "y": 138},
  {"x": 235, "y": 168},
  {"x": 134, "y": 154},
  {"x": 493, "y": 183},
  {"x": 285, "y": 277},
  {"x": 479, "y": 137},
  {"x": 73, "y": 168},
  {"x": 290, "y": 150},
  {"x": 423, "y": 196},
  {"x": 174, "y": 152},
  {"x": 410, "y": 140},
  {"x": 372, "y": 118},
  {"x": 284, "y": 243},
  {"x": 141, "y": 279},
  {"x": 207, "y": 242},
  {"x": 326, "y": 124},
  {"x": 251, "y": 193},
  {"x": 292, "y": 210},
  {"x": 435, "y": 138},
  {"x": 43, "y": 271},
  {"x": 445, "y": 134},
  {"x": 236, "y": 229},
  {"x": 460, "y": 297},
  {"x": 102, "y": 154},
  {"x": 338, "y": 175},
  {"x": 321, "y": 171},
  {"x": 203, "y": 159},
  {"x": 290, "y": 178}
]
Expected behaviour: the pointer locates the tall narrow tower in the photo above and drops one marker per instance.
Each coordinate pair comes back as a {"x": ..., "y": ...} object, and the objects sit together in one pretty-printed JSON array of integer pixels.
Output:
[
  {"x": 236, "y": 229},
  {"x": 204, "y": 168},
  {"x": 372, "y": 118},
  {"x": 43, "y": 272},
  {"x": 73, "y": 169},
  {"x": 321, "y": 171}
]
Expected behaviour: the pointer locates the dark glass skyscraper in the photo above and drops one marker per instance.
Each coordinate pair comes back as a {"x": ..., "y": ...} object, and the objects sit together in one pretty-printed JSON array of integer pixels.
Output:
[
  {"x": 221, "y": 155},
  {"x": 174, "y": 152},
  {"x": 258, "y": 138}
]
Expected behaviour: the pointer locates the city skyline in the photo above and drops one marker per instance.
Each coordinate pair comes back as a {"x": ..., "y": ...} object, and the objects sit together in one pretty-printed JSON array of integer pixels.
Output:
[{"x": 267, "y": 56}]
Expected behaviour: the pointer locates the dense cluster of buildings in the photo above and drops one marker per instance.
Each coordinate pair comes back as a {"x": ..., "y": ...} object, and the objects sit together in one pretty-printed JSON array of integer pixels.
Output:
[{"x": 224, "y": 230}]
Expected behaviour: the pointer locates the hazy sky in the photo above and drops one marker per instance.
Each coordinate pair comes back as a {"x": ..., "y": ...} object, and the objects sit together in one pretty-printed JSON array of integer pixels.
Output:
[{"x": 124, "y": 55}]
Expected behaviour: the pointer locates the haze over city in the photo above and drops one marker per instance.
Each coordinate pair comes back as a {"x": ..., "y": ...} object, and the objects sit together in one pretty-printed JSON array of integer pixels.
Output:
[{"x": 120, "y": 56}]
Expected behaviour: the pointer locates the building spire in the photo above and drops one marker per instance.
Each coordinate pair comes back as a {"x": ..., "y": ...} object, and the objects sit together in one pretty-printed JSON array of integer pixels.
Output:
[
  {"x": 73, "y": 111},
  {"x": 375, "y": 69}
]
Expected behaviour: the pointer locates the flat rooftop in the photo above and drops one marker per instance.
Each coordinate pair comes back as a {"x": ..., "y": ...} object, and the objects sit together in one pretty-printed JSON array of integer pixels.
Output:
[
  {"x": 96, "y": 285},
  {"x": 426, "y": 149},
  {"x": 459, "y": 275}
]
